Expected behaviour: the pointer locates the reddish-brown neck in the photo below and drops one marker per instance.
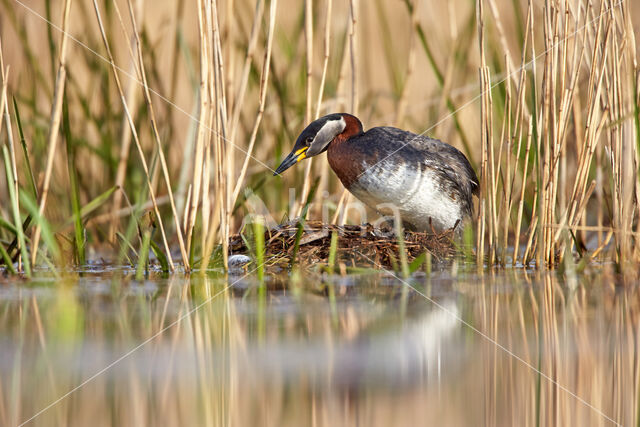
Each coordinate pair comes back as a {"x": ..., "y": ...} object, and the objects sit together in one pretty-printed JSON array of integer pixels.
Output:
[
  {"x": 353, "y": 127},
  {"x": 343, "y": 159}
]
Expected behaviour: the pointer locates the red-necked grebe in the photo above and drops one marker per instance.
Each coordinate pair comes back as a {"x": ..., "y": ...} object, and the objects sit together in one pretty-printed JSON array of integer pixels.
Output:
[{"x": 428, "y": 181}]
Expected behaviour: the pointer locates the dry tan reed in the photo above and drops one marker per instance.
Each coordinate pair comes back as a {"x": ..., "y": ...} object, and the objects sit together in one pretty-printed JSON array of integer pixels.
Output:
[
  {"x": 579, "y": 41},
  {"x": 54, "y": 124},
  {"x": 156, "y": 135},
  {"x": 554, "y": 121},
  {"x": 134, "y": 134}
]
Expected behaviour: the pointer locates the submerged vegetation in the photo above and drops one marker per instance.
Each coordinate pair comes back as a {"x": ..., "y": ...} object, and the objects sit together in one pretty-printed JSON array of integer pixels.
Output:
[{"x": 114, "y": 111}]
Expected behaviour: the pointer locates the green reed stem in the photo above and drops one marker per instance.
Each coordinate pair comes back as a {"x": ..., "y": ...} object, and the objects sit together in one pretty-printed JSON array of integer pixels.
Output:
[
  {"x": 27, "y": 221},
  {"x": 162, "y": 258},
  {"x": 333, "y": 251},
  {"x": 16, "y": 212},
  {"x": 258, "y": 235},
  {"x": 30, "y": 204},
  {"x": 7, "y": 260},
  {"x": 143, "y": 269},
  {"x": 25, "y": 151},
  {"x": 8, "y": 226},
  {"x": 79, "y": 241}
]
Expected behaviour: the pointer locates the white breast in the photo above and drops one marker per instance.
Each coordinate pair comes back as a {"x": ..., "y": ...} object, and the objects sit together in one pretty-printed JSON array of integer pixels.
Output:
[{"x": 415, "y": 193}]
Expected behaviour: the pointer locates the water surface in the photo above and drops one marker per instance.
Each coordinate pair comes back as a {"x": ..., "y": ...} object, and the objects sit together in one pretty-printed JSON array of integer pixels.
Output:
[{"x": 449, "y": 348}]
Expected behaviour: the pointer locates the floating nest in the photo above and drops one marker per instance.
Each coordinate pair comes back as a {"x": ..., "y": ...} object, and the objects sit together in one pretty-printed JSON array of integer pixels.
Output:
[{"x": 357, "y": 245}]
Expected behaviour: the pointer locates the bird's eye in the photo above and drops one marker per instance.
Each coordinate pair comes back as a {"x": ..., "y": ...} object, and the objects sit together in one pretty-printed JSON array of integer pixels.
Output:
[{"x": 309, "y": 140}]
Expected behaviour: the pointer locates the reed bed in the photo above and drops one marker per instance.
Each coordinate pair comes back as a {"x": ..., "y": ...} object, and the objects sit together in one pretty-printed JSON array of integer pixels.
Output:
[{"x": 184, "y": 109}]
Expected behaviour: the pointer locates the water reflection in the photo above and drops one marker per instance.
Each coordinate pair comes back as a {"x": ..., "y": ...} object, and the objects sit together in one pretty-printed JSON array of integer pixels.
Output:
[{"x": 505, "y": 349}]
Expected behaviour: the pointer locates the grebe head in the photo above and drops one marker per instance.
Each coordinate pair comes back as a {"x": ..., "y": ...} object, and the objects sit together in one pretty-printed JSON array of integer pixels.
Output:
[{"x": 316, "y": 137}]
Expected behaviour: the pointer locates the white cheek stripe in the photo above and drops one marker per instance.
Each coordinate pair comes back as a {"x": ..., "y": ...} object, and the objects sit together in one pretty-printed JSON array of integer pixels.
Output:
[{"x": 325, "y": 135}]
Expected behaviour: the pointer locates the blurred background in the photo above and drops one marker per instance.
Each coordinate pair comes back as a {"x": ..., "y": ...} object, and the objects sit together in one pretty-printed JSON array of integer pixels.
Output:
[
  {"x": 456, "y": 343},
  {"x": 411, "y": 64}
]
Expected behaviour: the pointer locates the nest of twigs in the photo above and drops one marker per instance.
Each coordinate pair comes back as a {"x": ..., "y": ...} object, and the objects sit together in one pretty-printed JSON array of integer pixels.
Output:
[{"x": 357, "y": 245}]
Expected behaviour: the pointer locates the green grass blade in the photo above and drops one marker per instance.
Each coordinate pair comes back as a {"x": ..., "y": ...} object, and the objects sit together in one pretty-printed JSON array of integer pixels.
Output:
[
  {"x": 80, "y": 253},
  {"x": 27, "y": 221},
  {"x": 258, "y": 235},
  {"x": 25, "y": 151},
  {"x": 143, "y": 255},
  {"x": 417, "y": 263},
  {"x": 7, "y": 260},
  {"x": 162, "y": 258},
  {"x": 303, "y": 215},
  {"x": 124, "y": 248},
  {"x": 333, "y": 251},
  {"x": 126, "y": 241},
  {"x": 97, "y": 202},
  {"x": 402, "y": 251},
  {"x": 8, "y": 226},
  {"x": 14, "y": 244},
  {"x": 47, "y": 234},
  {"x": 16, "y": 212}
]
